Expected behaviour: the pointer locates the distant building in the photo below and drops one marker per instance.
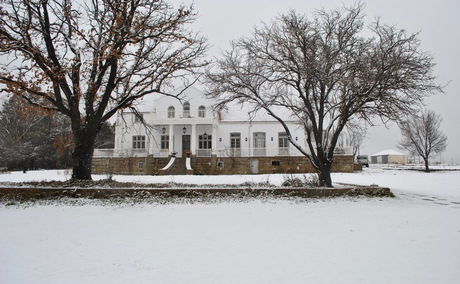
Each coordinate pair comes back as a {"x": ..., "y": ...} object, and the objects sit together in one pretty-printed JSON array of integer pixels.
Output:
[{"x": 389, "y": 157}]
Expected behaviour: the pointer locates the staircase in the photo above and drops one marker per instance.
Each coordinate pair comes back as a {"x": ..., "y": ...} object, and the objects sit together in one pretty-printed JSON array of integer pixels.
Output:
[{"x": 178, "y": 168}]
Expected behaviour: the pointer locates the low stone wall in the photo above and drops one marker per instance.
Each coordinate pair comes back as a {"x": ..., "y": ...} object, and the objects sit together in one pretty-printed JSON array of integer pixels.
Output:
[
  {"x": 128, "y": 165},
  {"x": 162, "y": 195},
  {"x": 265, "y": 165},
  {"x": 219, "y": 165}
]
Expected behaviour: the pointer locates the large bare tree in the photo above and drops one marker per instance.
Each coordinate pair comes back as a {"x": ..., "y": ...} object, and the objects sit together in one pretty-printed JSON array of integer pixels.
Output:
[
  {"x": 325, "y": 71},
  {"x": 89, "y": 59},
  {"x": 422, "y": 135}
]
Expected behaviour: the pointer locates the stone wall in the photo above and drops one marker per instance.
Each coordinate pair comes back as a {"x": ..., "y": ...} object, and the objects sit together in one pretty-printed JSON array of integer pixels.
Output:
[
  {"x": 222, "y": 165},
  {"x": 128, "y": 165},
  {"x": 265, "y": 165}
]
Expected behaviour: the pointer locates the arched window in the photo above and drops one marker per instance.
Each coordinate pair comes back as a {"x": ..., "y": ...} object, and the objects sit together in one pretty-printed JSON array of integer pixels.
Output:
[
  {"x": 201, "y": 111},
  {"x": 171, "y": 112},
  {"x": 186, "y": 109}
]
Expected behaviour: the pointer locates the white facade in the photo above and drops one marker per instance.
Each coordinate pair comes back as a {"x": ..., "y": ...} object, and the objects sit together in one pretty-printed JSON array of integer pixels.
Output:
[{"x": 174, "y": 128}]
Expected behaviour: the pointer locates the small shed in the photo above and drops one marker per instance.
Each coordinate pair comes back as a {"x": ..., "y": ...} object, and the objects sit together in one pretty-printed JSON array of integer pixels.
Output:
[{"x": 389, "y": 157}]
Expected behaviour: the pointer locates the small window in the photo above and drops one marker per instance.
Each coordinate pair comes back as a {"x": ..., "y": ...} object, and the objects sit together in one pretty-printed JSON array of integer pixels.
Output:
[
  {"x": 283, "y": 141},
  {"x": 171, "y": 112},
  {"x": 275, "y": 163},
  {"x": 141, "y": 165},
  {"x": 283, "y": 144},
  {"x": 139, "y": 142},
  {"x": 201, "y": 111},
  {"x": 220, "y": 164},
  {"x": 164, "y": 142},
  {"x": 186, "y": 109},
  {"x": 204, "y": 141}
]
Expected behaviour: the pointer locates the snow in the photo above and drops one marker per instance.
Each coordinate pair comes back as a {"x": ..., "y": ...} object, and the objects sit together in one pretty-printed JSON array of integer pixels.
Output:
[
  {"x": 389, "y": 152},
  {"x": 413, "y": 238}
]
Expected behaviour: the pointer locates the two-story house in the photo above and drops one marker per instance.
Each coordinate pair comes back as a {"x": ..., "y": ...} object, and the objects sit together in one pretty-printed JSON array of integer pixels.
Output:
[{"x": 168, "y": 136}]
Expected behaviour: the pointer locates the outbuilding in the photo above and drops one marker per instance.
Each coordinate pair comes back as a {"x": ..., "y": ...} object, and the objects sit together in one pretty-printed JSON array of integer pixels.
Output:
[{"x": 389, "y": 157}]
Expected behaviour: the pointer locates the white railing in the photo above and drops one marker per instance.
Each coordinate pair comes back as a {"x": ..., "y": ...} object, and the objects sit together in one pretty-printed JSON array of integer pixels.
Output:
[
  {"x": 203, "y": 152},
  {"x": 103, "y": 153},
  {"x": 226, "y": 152},
  {"x": 255, "y": 152},
  {"x": 259, "y": 152},
  {"x": 179, "y": 114},
  {"x": 170, "y": 163},
  {"x": 283, "y": 151},
  {"x": 162, "y": 154},
  {"x": 111, "y": 153}
]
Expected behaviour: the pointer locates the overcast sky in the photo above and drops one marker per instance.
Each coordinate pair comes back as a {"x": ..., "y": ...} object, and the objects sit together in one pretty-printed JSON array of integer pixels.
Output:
[{"x": 437, "y": 21}]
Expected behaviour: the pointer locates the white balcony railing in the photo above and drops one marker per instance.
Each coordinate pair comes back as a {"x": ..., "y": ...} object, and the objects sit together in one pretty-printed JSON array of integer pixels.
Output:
[
  {"x": 103, "y": 153},
  {"x": 109, "y": 153},
  {"x": 259, "y": 152},
  {"x": 254, "y": 152},
  {"x": 203, "y": 152},
  {"x": 226, "y": 152},
  {"x": 162, "y": 153},
  {"x": 283, "y": 151}
]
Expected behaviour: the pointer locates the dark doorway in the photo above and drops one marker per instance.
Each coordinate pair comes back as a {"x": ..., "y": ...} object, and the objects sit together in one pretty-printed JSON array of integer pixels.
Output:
[{"x": 185, "y": 145}]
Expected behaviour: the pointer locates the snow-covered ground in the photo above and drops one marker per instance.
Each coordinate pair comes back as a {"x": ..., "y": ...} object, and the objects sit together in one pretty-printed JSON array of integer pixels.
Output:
[{"x": 413, "y": 238}]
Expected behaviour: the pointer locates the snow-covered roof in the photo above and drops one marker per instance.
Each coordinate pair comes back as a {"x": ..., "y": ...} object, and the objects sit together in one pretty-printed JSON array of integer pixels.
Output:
[{"x": 388, "y": 152}]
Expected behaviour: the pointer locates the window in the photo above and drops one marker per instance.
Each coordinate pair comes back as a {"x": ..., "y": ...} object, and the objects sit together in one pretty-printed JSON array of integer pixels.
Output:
[
  {"x": 220, "y": 164},
  {"x": 140, "y": 165},
  {"x": 283, "y": 144},
  {"x": 204, "y": 141},
  {"x": 259, "y": 140},
  {"x": 186, "y": 109},
  {"x": 235, "y": 144},
  {"x": 235, "y": 140},
  {"x": 201, "y": 111},
  {"x": 259, "y": 143},
  {"x": 283, "y": 141},
  {"x": 275, "y": 163},
  {"x": 164, "y": 142},
  {"x": 139, "y": 142},
  {"x": 171, "y": 112}
]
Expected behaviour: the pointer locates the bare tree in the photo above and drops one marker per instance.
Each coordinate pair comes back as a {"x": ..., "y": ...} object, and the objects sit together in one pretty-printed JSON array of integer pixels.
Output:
[
  {"x": 90, "y": 59},
  {"x": 355, "y": 134},
  {"x": 422, "y": 135},
  {"x": 324, "y": 72}
]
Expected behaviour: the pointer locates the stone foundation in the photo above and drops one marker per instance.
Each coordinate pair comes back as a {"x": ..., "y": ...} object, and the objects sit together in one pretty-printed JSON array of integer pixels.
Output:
[
  {"x": 218, "y": 165},
  {"x": 128, "y": 166}
]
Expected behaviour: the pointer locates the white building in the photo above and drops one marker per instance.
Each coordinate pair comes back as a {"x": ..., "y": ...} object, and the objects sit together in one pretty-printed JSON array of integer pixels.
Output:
[{"x": 171, "y": 128}]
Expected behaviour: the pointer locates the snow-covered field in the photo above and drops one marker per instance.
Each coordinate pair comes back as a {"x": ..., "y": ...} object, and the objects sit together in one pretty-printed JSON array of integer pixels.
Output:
[{"x": 413, "y": 238}]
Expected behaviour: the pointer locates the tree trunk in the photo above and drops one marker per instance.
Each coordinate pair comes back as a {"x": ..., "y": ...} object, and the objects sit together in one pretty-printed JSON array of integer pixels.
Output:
[
  {"x": 427, "y": 168},
  {"x": 324, "y": 175},
  {"x": 82, "y": 155}
]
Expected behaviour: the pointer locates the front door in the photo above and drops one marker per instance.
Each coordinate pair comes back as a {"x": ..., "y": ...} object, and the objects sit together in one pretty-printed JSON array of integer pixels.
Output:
[{"x": 185, "y": 145}]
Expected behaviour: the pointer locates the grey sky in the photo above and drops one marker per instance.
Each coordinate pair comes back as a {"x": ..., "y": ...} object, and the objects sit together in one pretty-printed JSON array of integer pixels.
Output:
[{"x": 437, "y": 21}]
